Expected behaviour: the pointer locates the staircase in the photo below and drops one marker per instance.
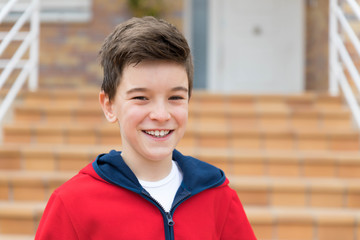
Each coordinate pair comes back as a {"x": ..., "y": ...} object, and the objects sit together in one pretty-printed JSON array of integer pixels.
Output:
[{"x": 294, "y": 160}]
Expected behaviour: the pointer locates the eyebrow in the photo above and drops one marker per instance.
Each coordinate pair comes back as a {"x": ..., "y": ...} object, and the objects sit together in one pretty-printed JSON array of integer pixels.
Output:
[
  {"x": 180, "y": 88},
  {"x": 175, "y": 89},
  {"x": 137, "y": 90}
]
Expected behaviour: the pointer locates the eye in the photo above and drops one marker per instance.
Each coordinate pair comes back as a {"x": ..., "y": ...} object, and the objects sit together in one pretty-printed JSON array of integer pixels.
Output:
[
  {"x": 176, "y": 98},
  {"x": 142, "y": 98}
]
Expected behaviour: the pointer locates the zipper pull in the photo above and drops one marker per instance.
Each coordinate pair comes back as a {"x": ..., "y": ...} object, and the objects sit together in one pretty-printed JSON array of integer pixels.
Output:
[{"x": 170, "y": 220}]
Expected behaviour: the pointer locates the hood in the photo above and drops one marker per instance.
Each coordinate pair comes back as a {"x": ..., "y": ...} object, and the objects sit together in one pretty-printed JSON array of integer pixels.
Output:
[{"x": 198, "y": 175}]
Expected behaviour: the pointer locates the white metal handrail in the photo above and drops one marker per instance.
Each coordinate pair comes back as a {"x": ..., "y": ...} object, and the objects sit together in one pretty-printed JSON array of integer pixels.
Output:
[
  {"x": 6, "y": 9},
  {"x": 30, "y": 41},
  {"x": 355, "y": 7},
  {"x": 53, "y": 10},
  {"x": 339, "y": 56},
  {"x": 15, "y": 29}
]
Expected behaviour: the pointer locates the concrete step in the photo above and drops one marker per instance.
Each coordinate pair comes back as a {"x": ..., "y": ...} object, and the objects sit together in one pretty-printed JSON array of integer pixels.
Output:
[
  {"x": 17, "y": 186},
  {"x": 48, "y": 157},
  {"x": 70, "y": 105},
  {"x": 286, "y": 163},
  {"x": 304, "y": 100},
  {"x": 83, "y": 96},
  {"x": 62, "y": 134},
  {"x": 256, "y": 117},
  {"x": 20, "y": 186},
  {"x": 215, "y": 136},
  {"x": 293, "y": 159},
  {"x": 20, "y": 218},
  {"x": 16, "y": 237},
  {"x": 288, "y": 223},
  {"x": 297, "y": 192}
]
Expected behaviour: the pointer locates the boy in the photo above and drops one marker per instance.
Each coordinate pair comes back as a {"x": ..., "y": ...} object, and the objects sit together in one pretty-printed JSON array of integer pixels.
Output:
[{"x": 148, "y": 190}]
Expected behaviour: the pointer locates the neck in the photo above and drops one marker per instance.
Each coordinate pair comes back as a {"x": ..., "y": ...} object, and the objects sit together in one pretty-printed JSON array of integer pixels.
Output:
[{"x": 148, "y": 170}]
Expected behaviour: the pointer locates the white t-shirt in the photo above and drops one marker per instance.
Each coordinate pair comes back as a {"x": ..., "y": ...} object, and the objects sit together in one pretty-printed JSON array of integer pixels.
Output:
[{"x": 165, "y": 189}]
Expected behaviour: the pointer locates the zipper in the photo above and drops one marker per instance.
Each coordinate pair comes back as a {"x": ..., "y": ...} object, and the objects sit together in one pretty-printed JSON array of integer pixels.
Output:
[
  {"x": 168, "y": 215},
  {"x": 169, "y": 219},
  {"x": 170, "y": 225}
]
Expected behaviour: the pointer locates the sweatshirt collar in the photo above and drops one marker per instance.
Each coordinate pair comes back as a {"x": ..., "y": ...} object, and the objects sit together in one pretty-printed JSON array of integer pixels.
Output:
[{"x": 198, "y": 175}]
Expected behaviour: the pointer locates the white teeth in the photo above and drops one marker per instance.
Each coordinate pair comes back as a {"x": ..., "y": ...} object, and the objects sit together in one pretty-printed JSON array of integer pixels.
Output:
[{"x": 157, "y": 133}]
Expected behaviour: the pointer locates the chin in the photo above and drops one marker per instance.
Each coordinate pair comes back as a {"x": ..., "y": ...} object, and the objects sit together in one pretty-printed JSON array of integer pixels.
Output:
[{"x": 159, "y": 154}]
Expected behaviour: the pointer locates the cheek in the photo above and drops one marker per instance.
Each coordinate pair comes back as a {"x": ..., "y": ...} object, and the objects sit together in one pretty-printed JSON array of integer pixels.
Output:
[
  {"x": 131, "y": 116},
  {"x": 181, "y": 115}
]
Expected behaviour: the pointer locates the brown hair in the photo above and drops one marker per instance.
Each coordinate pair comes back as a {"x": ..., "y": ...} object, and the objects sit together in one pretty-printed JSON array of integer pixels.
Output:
[{"x": 140, "y": 39}]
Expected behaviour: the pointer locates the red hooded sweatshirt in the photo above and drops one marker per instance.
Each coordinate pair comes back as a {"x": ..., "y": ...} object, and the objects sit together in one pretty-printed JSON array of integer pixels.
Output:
[{"x": 106, "y": 201}]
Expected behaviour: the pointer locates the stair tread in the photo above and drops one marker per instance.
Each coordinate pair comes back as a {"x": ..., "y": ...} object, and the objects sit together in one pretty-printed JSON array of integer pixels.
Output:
[
  {"x": 258, "y": 211},
  {"x": 285, "y": 182},
  {"x": 16, "y": 237},
  {"x": 266, "y": 179},
  {"x": 35, "y": 175},
  {"x": 256, "y": 109},
  {"x": 293, "y": 184},
  {"x": 307, "y": 98},
  {"x": 318, "y": 156},
  {"x": 21, "y": 209},
  {"x": 13, "y": 149},
  {"x": 44, "y": 148},
  {"x": 314, "y": 215},
  {"x": 196, "y": 128}
]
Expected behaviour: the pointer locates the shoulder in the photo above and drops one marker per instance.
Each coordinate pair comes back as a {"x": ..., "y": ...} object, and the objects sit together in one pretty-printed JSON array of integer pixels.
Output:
[
  {"x": 83, "y": 182},
  {"x": 223, "y": 193}
]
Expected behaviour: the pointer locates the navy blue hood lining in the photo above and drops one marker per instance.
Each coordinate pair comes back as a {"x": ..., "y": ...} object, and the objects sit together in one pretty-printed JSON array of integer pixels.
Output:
[
  {"x": 198, "y": 175},
  {"x": 112, "y": 168}
]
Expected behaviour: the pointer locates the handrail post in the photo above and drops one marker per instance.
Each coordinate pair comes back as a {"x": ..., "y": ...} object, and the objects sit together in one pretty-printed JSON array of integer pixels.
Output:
[
  {"x": 5, "y": 10},
  {"x": 340, "y": 60},
  {"x": 34, "y": 48},
  {"x": 30, "y": 42},
  {"x": 333, "y": 55}
]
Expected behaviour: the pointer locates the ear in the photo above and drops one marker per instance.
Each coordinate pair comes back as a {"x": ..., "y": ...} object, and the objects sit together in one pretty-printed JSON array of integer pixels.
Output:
[{"x": 107, "y": 107}]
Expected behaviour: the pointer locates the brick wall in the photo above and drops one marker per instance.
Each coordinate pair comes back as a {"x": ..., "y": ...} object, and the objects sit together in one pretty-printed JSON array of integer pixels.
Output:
[
  {"x": 317, "y": 14},
  {"x": 68, "y": 51}
]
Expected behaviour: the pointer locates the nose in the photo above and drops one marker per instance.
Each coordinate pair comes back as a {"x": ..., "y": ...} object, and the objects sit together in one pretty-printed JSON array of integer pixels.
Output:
[{"x": 160, "y": 112}]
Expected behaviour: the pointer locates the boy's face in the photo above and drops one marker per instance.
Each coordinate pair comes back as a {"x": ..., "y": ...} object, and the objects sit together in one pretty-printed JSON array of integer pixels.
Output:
[{"x": 151, "y": 106}]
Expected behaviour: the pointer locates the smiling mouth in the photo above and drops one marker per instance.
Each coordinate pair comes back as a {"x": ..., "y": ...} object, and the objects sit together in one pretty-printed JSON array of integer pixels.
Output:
[{"x": 158, "y": 133}]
